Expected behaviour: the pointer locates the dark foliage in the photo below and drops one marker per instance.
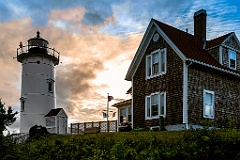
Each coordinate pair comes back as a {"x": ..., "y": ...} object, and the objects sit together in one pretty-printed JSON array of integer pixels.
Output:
[
  {"x": 7, "y": 117},
  {"x": 187, "y": 145},
  {"x": 37, "y": 132}
]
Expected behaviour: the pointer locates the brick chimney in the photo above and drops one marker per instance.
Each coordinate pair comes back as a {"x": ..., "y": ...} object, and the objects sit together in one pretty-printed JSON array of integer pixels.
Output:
[{"x": 200, "y": 23}]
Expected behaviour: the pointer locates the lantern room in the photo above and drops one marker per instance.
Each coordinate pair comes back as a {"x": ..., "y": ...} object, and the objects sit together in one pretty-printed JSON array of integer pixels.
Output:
[{"x": 37, "y": 46}]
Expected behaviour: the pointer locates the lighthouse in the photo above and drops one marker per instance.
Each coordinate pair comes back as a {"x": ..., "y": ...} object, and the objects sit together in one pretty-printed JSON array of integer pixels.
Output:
[{"x": 38, "y": 83}]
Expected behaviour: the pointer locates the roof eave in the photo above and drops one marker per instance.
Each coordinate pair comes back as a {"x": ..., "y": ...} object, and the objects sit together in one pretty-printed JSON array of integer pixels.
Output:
[
  {"x": 214, "y": 67},
  {"x": 132, "y": 67}
]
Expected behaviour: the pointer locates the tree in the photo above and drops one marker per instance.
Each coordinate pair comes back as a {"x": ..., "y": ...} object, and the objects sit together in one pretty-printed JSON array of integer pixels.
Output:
[{"x": 7, "y": 117}]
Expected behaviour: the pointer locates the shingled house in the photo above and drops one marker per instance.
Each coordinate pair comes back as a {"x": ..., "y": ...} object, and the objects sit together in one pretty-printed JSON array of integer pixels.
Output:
[{"x": 185, "y": 78}]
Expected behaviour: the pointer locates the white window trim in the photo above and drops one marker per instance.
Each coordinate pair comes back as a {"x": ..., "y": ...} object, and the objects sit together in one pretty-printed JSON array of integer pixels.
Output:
[
  {"x": 157, "y": 116},
  {"x": 164, "y": 50},
  {"x": 210, "y": 92},
  {"x": 127, "y": 113},
  {"x": 229, "y": 65}
]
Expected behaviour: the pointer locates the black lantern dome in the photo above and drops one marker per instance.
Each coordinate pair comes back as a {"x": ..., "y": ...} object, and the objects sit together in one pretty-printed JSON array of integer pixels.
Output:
[{"x": 38, "y": 41}]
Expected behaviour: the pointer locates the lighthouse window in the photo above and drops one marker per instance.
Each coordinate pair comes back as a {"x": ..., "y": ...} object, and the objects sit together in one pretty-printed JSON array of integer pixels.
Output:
[
  {"x": 50, "y": 86},
  {"x": 50, "y": 82},
  {"x": 22, "y": 99},
  {"x": 50, "y": 121}
]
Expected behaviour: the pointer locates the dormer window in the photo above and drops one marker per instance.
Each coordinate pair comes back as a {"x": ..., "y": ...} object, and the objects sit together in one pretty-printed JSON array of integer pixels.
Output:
[
  {"x": 232, "y": 59},
  {"x": 156, "y": 63}
]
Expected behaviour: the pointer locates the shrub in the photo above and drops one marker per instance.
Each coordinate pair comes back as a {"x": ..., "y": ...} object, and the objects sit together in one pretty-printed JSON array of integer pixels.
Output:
[{"x": 37, "y": 132}]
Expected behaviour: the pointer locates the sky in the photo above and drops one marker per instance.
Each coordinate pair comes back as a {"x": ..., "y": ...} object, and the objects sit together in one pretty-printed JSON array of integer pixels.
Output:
[{"x": 97, "y": 40}]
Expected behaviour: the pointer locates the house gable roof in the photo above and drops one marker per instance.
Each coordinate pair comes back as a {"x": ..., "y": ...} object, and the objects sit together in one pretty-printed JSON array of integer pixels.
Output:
[
  {"x": 54, "y": 112},
  {"x": 218, "y": 41},
  {"x": 233, "y": 35},
  {"x": 151, "y": 29},
  {"x": 187, "y": 47},
  {"x": 123, "y": 103},
  {"x": 191, "y": 46}
]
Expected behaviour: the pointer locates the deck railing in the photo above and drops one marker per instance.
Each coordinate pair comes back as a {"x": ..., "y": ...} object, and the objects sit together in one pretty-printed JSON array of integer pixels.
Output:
[
  {"x": 23, "y": 50},
  {"x": 105, "y": 126}
]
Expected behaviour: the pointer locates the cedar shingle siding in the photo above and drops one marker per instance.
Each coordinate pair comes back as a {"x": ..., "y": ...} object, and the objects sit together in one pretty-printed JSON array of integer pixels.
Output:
[
  {"x": 171, "y": 82},
  {"x": 226, "y": 90}
]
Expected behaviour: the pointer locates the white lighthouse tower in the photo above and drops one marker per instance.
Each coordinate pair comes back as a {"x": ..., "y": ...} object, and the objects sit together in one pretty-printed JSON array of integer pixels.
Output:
[{"x": 38, "y": 81}]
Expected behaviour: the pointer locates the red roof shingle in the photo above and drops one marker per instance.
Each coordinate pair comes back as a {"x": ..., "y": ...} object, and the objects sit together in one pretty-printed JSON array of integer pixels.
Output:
[
  {"x": 217, "y": 41},
  {"x": 193, "y": 47}
]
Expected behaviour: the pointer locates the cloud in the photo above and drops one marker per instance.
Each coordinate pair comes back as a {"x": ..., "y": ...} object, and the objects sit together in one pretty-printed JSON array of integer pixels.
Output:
[
  {"x": 38, "y": 11},
  {"x": 75, "y": 89},
  {"x": 96, "y": 12},
  {"x": 10, "y": 68},
  {"x": 84, "y": 57},
  {"x": 74, "y": 79}
]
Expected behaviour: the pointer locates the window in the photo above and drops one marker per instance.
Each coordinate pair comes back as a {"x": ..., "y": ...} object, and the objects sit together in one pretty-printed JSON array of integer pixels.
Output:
[
  {"x": 156, "y": 63},
  {"x": 50, "y": 121},
  {"x": 50, "y": 82},
  {"x": 208, "y": 104},
  {"x": 50, "y": 86},
  {"x": 232, "y": 59},
  {"x": 22, "y": 99},
  {"x": 123, "y": 116},
  {"x": 155, "y": 105}
]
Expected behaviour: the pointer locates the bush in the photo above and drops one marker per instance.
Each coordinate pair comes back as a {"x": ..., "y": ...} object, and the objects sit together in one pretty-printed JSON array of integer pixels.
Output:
[
  {"x": 36, "y": 132},
  {"x": 187, "y": 145}
]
